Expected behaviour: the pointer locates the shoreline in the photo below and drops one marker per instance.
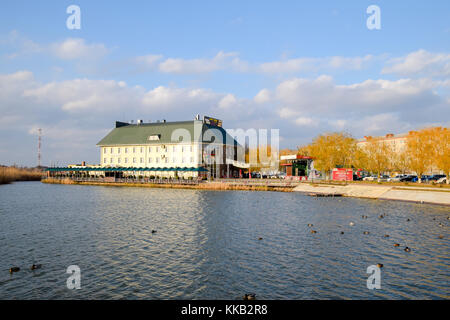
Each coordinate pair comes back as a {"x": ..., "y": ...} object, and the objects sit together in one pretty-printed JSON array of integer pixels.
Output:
[
  {"x": 383, "y": 192},
  {"x": 219, "y": 186}
]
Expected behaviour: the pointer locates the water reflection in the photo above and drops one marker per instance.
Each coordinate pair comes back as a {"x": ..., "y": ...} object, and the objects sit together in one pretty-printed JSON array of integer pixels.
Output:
[{"x": 207, "y": 244}]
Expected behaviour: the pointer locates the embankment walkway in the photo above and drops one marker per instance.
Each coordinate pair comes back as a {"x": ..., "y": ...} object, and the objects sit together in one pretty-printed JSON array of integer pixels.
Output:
[{"x": 420, "y": 195}]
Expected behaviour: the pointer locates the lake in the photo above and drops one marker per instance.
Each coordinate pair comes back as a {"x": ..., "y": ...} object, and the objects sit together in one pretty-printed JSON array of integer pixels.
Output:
[{"x": 207, "y": 244}]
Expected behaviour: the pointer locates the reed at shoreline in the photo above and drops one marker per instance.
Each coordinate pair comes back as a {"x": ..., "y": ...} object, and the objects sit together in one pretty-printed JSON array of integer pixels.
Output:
[{"x": 11, "y": 174}]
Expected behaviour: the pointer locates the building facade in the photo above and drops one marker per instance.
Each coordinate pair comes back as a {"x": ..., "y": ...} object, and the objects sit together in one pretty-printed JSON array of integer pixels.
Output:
[
  {"x": 296, "y": 165},
  {"x": 171, "y": 146},
  {"x": 397, "y": 142}
]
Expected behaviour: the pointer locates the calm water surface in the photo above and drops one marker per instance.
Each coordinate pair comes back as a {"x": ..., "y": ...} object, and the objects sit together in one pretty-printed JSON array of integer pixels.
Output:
[{"x": 206, "y": 245}]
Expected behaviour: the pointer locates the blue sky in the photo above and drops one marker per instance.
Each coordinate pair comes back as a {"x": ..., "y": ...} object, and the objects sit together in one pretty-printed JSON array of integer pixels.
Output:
[{"x": 304, "y": 67}]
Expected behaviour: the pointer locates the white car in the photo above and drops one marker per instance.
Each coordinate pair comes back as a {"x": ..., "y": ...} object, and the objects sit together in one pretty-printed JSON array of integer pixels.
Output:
[
  {"x": 442, "y": 180},
  {"x": 370, "y": 178},
  {"x": 396, "y": 178}
]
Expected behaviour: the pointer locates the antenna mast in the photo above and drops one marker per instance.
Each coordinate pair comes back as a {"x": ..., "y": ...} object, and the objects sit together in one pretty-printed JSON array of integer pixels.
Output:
[{"x": 39, "y": 147}]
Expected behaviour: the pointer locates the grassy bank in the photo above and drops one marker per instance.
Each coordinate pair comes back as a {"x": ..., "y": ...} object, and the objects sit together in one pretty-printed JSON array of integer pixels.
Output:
[
  {"x": 200, "y": 186},
  {"x": 10, "y": 174}
]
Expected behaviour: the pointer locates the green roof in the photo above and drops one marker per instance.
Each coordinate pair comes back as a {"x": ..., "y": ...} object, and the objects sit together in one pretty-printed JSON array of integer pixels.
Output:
[{"x": 168, "y": 132}]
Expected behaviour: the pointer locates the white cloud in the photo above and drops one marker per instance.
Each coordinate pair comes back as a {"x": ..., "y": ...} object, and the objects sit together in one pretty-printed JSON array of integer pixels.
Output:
[
  {"x": 291, "y": 65},
  {"x": 92, "y": 98},
  {"x": 221, "y": 61},
  {"x": 368, "y": 107},
  {"x": 349, "y": 63},
  {"x": 322, "y": 95},
  {"x": 263, "y": 96},
  {"x": 315, "y": 64},
  {"x": 21, "y": 45},
  {"x": 306, "y": 121},
  {"x": 300, "y": 107},
  {"x": 228, "y": 101},
  {"x": 166, "y": 99},
  {"x": 420, "y": 62},
  {"x": 76, "y": 114},
  {"x": 77, "y": 48},
  {"x": 149, "y": 61},
  {"x": 83, "y": 95}
]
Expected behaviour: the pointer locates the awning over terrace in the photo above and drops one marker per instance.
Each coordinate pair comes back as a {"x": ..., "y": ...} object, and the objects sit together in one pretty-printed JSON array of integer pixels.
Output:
[{"x": 124, "y": 169}]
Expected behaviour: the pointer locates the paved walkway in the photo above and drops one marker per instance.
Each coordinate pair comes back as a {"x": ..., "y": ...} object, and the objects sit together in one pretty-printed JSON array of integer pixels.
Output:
[
  {"x": 418, "y": 196},
  {"x": 379, "y": 192}
]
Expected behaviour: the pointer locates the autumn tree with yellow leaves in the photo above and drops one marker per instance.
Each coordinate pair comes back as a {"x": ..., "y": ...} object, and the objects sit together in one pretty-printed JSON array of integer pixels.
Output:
[
  {"x": 331, "y": 150},
  {"x": 425, "y": 150},
  {"x": 377, "y": 156},
  {"x": 399, "y": 161},
  {"x": 420, "y": 151},
  {"x": 440, "y": 140}
]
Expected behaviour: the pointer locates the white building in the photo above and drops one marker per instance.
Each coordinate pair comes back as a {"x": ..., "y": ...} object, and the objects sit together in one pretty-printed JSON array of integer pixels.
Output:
[
  {"x": 176, "y": 147},
  {"x": 397, "y": 142}
]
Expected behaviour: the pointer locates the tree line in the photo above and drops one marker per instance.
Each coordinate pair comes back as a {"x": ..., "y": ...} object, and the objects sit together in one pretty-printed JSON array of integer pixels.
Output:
[{"x": 423, "y": 151}]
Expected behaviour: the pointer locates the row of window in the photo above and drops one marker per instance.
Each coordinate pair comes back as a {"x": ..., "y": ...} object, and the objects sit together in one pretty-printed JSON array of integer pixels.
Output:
[
  {"x": 150, "y": 160},
  {"x": 150, "y": 149}
]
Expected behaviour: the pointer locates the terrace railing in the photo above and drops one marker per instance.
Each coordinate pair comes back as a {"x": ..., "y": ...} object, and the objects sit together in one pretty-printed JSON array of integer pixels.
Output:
[{"x": 143, "y": 180}]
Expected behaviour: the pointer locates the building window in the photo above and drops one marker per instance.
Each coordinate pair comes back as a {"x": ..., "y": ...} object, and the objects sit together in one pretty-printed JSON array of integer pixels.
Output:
[
  {"x": 111, "y": 150},
  {"x": 142, "y": 160},
  {"x": 192, "y": 159},
  {"x": 126, "y": 160},
  {"x": 105, "y": 150},
  {"x": 157, "y": 149},
  {"x": 157, "y": 160},
  {"x": 134, "y": 149},
  {"x": 104, "y": 160},
  {"x": 118, "y": 160},
  {"x": 142, "y": 149},
  {"x": 118, "y": 150},
  {"x": 174, "y": 148},
  {"x": 149, "y": 149},
  {"x": 150, "y": 160},
  {"x": 111, "y": 160},
  {"x": 166, "y": 160},
  {"x": 134, "y": 160},
  {"x": 126, "y": 150},
  {"x": 174, "y": 160},
  {"x": 183, "y": 160}
]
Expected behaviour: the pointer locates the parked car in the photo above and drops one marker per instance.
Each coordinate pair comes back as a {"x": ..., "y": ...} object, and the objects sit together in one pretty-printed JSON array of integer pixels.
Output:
[
  {"x": 408, "y": 178},
  {"x": 424, "y": 178},
  {"x": 436, "y": 177},
  {"x": 442, "y": 180},
  {"x": 396, "y": 178},
  {"x": 370, "y": 178},
  {"x": 256, "y": 175},
  {"x": 279, "y": 175}
]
